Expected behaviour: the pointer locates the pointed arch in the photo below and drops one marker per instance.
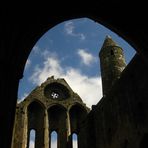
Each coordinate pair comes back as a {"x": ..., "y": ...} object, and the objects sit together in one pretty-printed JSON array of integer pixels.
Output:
[
  {"x": 32, "y": 137},
  {"x": 57, "y": 105},
  {"x": 74, "y": 109},
  {"x": 37, "y": 101},
  {"x": 54, "y": 139},
  {"x": 74, "y": 140},
  {"x": 56, "y": 116},
  {"x": 57, "y": 119},
  {"x": 35, "y": 114},
  {"x": 77, "y": 114}
]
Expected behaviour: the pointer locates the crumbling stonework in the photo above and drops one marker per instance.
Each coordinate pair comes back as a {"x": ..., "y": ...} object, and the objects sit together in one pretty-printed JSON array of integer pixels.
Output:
[
  {"x": 53, "y": 106},
  {"x": 112, "y": 63},
  {"x": 119, "y": 120}
]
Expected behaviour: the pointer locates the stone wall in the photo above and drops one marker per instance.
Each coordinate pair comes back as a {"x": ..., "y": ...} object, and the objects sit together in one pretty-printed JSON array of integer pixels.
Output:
[
  {"x": 120, "y": 119},
  {"x": 40, "y": 111}
]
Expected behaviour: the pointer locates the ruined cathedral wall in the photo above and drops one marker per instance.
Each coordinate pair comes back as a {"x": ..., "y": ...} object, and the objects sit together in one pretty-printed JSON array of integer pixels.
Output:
[
  {"x": 87, "y": 131},
  {"x": 52, "y": 106},
  {"x": 120, "y": 119}
]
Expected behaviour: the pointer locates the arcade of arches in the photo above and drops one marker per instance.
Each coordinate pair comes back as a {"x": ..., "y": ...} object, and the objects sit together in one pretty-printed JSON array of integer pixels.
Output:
[{"x": 44, "y": 113}]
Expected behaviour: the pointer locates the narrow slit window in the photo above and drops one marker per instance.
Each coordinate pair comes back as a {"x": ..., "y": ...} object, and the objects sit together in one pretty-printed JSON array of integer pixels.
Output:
[
  {"x": 32, "y": 139},
  {"x": 54, "y": 139},
  {"x": 74, "y": 140},
  {"x": 112, "y": 52}
]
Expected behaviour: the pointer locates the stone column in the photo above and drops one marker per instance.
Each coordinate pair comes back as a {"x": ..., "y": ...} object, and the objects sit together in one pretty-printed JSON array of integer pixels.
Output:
[
  {"x": 46, "y": 132},
  {"x": 62, "y": 138},
  {"x": 68, "y": 124},
  {"x": 69, "y": 136},
  {"x": 25, "y": 126},
  {"x": 64, "y": 133},
  {"x": 20, "y": 133}
]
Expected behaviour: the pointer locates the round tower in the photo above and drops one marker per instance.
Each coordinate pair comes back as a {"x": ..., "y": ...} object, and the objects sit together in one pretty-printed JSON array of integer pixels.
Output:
[{"x": 112, "y": 63}]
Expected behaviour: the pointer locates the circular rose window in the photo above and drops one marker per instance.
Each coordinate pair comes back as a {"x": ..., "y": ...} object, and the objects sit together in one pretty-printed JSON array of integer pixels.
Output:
[{"x": 56, "y": 91}]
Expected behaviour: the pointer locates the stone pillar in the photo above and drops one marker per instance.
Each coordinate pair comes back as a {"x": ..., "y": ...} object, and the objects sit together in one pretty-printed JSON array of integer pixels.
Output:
[
  {"x": 46, "y": 132},
  {"x": 49, "y": 140},
  {"x": 62, "y": 138},
  {"x": 25, "y": 129},
  {"x": 69, "y": 136},
  {"x": 20, "y": 133},
  {"x": 70, "y": 141},
  {"x": 64, "y": 133}
]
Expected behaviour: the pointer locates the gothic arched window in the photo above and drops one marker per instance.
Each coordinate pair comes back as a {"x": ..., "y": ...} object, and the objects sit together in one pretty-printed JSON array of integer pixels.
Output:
[
  {"x": 32, "y": 138},
  {"x": 74, "y": 140},
  {"x": 54, "y": 139}
]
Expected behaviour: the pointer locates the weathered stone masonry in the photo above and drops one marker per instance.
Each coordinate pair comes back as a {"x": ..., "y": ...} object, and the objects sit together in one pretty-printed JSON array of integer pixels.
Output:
[
  {"x": 53, "y": 106},
  {"x": 119, "y": 120}
]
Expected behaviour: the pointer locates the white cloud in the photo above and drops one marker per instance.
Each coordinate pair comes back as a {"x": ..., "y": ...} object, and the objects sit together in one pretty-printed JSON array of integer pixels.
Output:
[
  {"x": 69, "y": 27},
  {"x": 46, "y": 53},
  {"x": 70, "y": 30},
  {"x": 36, "y": 49},
  {"x": 86, "y": 58},
  {"x": 82, "y": 36},
  {"x": 89, "y": 88},
  {"x": 28, "y": 63},
  {"x": 51, "y": 66},
  {"x": 23, "y": 97}
]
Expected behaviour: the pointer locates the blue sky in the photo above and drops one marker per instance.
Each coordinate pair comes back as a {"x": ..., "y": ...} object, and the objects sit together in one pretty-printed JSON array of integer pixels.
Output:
[{"x": 70, "y": 50}]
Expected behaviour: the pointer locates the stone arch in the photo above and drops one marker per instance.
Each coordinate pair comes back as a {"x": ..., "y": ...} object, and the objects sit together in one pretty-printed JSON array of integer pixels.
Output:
[
  {"x": 74, "y": 140},
  {"x": 77, "y": 114},
  {"x": 57, "y": 119},
  {"x": 77, "y": 110},
  {"x": 32, "y": 136},
  {"x": 22, "y": 36},
  {"x": 58, "y": 105},
  {"x": 54, "y": 139},
  {"x": 34, "y": 100},
  {"x": 35, "y": 114},
  {"x": 55, "y": 113}
]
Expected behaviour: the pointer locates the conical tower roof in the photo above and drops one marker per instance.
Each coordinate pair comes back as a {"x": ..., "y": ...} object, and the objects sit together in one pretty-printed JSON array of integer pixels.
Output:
[{"x": 108, "y": 42}]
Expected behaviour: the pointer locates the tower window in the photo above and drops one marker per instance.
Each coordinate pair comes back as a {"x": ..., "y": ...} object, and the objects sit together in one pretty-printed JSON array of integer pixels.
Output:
[
  {"x": 112, "y": 52},
  {"x": 74, "y": 140},
  {"x": 54, "y": 139}
]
